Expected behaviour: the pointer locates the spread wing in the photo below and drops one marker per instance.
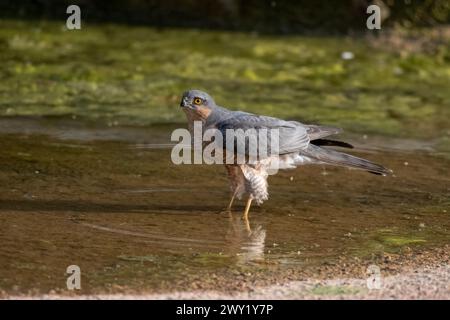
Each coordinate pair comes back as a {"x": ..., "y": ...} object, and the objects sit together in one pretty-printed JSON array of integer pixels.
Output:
[{"x": 286, "y": 138}]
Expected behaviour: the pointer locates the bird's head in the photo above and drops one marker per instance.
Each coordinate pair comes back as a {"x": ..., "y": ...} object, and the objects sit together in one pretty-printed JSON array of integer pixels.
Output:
[{"x": 197, "y": 103}]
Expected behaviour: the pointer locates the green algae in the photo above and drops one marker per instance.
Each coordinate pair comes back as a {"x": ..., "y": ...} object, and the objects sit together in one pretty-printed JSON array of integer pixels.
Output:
[
  {"x": 135, "y": 76},
  {"x": 402, "y": 241},
  {"x": 395, "y": 240}
]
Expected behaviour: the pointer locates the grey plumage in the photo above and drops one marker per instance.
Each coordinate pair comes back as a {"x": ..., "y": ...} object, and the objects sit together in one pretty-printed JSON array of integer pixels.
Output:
[
  {"x": 292, "y": 137},
  {"x": 299, "y": 144}
]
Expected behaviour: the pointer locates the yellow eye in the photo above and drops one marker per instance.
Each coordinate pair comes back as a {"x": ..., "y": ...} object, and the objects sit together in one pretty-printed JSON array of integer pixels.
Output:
[{"x": 197, "y": 101}]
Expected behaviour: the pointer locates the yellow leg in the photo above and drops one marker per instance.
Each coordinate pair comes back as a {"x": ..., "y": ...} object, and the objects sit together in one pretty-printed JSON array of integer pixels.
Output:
[
  {"x": 247, "y": 226},
  {"x": 247, "y": 208},
  {"x": 245, "y": 216},
  {"x": 231, "y": 202}
]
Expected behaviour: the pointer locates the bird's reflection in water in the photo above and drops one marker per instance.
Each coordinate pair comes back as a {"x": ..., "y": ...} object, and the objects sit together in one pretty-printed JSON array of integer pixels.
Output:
[{"x": 245, "y": 242}]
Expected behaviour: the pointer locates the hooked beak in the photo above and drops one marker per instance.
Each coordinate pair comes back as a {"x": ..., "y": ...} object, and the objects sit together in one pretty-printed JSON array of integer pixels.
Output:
[{"x": 184, "y": 102}]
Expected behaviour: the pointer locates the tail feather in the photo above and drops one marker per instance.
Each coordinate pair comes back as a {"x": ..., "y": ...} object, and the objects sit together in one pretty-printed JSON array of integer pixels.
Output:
[
  {"x": 342, "y": 159},
  {"x": 329, "y": 142}
]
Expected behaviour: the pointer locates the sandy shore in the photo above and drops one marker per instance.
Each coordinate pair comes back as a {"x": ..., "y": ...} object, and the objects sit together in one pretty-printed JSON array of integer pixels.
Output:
[{"x": 423, "y": 275}]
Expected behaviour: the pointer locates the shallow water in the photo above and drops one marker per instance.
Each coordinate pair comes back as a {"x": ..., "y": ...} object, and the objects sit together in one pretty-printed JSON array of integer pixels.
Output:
[{"x": 110, "y": 201}]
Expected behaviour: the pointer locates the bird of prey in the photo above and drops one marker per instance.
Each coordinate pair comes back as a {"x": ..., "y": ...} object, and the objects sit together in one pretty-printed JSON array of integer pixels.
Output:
[{"x": 298, "y": 144}]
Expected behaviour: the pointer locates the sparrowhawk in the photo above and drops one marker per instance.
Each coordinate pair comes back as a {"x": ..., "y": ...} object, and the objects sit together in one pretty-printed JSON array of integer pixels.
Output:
[{"x": 298, "y": 144}]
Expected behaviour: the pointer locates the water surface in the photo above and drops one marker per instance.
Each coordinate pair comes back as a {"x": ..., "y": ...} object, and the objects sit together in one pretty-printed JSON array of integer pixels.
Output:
[
  {"x": 110, "y": 201},
  {"x": 86, "y": 176}
]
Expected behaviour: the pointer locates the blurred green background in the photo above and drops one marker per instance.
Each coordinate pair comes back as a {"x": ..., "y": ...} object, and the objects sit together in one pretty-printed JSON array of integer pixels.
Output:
[
  {"x": 268, "y": 16},
  {"x": 313, "y": 61}
]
